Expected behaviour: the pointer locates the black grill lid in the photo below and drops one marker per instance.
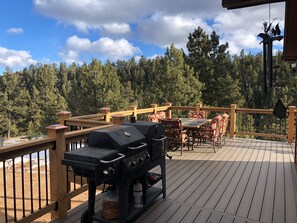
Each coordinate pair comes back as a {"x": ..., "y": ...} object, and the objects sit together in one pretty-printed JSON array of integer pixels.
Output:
[
  {"x": 117, "y": 137},
  {"x": 91, "y": 154},
  {"x": 152, "y": 130}
]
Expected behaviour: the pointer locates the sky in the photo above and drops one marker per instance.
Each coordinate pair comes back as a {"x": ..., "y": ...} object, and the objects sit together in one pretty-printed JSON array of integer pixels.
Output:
[{"x": 76, "y": 31}]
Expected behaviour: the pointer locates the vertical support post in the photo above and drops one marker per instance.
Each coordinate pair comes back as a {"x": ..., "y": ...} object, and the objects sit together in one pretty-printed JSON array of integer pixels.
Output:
[
  {"x": 63, "y": 115},
  {"x": 134, "y": 109},
  {"x": 169, "y": 112},
  {"x": 118, "y": 119},
  {"x": 198, "y": 107},
  {"x": 154, "y": 106},
  {"x": 58, "y": 174},
  {"x": 291, "y": 120},
  {"x": 232, "y": 121},
  {"x": 106, "y": 112}
]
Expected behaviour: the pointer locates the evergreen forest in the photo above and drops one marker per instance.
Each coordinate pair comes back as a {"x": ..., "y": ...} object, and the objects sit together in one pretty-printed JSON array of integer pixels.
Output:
[{"x": 205, "y": 72}]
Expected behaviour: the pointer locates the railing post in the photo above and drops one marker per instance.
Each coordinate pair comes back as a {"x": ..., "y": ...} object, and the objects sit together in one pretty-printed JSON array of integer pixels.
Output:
[
  {"x": 169, "y": 112},
  {"x": 106, "y": 112},
  {"x": 291, "y": 124},
  {"x": 198, "y": 107},
  {"x": 134, "y": 109},
  {"x": 232, "y": 121},
  {"x": 58, "y": 173},
  {"x": 154, "y": 106},
  {"x": 63, "y": 115},
  {"x": 118, "y": 119}
]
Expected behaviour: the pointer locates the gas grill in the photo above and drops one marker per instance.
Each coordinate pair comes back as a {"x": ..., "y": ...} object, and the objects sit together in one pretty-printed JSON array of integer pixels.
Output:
[
  {"x": 155, "y": 135},
  {"x": 119, "y": 156}
]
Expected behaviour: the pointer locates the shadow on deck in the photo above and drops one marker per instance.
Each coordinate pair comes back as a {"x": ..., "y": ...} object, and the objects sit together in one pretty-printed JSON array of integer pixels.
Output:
[{"x": 245, "y": 181}]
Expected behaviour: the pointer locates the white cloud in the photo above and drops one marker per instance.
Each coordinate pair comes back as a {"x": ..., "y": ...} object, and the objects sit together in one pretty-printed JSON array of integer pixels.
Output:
[
  {"x": 240, "y": 27},
  {"x": 70, "y": 56},
  {"x": 78, "y": 44},
  {"x": 15, "y": 58},
  {"x": 117, "y": 28},
  {"x": 15, "y": 30},
  {"x": 116, "y": 15},
  {"x": 107, "y": 47},
  {"x": 116, "y": 49},
  {"x": 158, "y": 22},
  {"x": 163, "y": 30}
]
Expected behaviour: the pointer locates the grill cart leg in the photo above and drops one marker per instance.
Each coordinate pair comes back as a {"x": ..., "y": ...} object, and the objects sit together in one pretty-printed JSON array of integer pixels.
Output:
[{"x": 87, "y": 215}]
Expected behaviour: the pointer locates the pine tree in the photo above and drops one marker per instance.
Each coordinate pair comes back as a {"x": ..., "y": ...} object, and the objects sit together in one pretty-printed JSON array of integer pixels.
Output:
[{"x": 211, "y": 63}]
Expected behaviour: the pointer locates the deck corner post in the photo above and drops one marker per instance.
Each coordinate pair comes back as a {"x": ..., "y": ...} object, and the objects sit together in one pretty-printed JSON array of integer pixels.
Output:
[
  {"x": 232, "y": 121},
  {"x": 58, "y": 175},
  {"x": 63, "y": 116},
  {"x": 168, "y": 111},
  {"x": 106, "y": 113},
  {"x": 291, "y": 120}
]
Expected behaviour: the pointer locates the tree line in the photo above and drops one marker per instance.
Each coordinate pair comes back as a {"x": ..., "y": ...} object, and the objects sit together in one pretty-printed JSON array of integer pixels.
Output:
[{"x": 207, "y": 73}]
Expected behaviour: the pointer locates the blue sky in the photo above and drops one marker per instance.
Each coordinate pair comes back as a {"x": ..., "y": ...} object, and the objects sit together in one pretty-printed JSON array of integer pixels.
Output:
[{"x": 54, "y": 31}]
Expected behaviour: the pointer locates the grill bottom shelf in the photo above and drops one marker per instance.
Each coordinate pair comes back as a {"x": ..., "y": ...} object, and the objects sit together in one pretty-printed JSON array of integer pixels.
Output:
[{"x": 151, "y": 194}]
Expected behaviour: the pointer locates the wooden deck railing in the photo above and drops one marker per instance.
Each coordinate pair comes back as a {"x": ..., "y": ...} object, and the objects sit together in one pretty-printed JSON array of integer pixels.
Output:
[{"x": 33, "y": 181}]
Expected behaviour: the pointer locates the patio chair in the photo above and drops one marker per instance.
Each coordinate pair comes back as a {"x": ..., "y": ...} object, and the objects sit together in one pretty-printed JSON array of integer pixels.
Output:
[
  {"x": 155, "y": 117},
  {"x": 175, "y": 134},
  {"x": 224, "y": 126},
  {"x": 211, "y": 132},
  {"x": 194, "y": 114}
]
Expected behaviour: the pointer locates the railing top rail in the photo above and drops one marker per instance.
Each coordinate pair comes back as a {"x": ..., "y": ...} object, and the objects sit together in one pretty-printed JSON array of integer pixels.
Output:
[
  {"x": 91, "y": 116},
  {"x": 84, "y": 122},
  {"x": 85, "y": 131},
  {"x": 16, "y": 150},
  {"x": 201, "y": 108},
  {"x": 126, "y": 113},
  {"x": 257, "y": 111},
  {"x": 145, "y": 110}
]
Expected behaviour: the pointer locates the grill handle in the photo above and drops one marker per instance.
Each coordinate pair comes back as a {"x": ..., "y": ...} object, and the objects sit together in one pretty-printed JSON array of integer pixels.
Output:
[
  {"x": 143, "y": 144},
  {"x": 162, "y": 139},
  {"x": 121, "y": 156}
]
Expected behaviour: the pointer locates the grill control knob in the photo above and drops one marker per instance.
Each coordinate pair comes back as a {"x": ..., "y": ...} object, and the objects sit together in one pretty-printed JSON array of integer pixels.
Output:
[
  {"x": 147, "y": 156},
  {"x": 109, "y": 171},
  {"x": 132, "y": 164},
  {"x": 140, "y": 160}
]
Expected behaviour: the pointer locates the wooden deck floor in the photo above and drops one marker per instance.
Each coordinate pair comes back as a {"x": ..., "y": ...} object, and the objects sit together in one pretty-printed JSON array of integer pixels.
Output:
[{"x": 245, "y": 181}]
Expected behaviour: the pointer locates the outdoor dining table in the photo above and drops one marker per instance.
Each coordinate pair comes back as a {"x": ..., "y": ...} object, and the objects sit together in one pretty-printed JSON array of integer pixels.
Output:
[{"x": 192, "y": 125}]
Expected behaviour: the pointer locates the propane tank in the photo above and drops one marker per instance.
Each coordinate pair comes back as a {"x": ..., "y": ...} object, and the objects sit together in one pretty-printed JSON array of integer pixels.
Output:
[
  {"x": 137, "y": 193},
  {"x": 110, "y": 204}
]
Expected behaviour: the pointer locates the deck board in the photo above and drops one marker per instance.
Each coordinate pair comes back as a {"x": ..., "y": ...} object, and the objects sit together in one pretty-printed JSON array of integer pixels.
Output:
[
  {"x": 226, "y": 198},
  {"x": 247, "y": 180},
  {"x": 251, "y": 187},
  {"x": 225, "y": 183},
  {"x": 279, "y": 194}
]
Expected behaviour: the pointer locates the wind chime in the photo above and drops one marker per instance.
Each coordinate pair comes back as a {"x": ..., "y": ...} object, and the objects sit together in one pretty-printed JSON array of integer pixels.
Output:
[{"x": 271, "y": 33}]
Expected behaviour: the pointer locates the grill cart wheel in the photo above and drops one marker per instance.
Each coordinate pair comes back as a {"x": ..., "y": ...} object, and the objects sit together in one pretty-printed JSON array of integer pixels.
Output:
[{"x": 85, "y": 217}]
